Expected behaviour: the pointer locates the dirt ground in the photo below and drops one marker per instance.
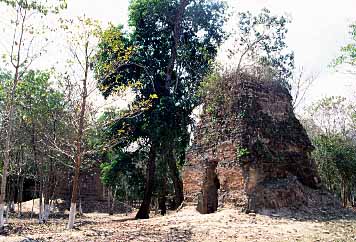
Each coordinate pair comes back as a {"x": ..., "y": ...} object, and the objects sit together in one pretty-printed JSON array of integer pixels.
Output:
[{"x": 188, "y": 225}]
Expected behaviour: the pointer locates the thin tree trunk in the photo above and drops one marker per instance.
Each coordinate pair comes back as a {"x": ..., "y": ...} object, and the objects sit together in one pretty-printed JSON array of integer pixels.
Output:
[
  {"x": 49, "y": 181},
  {"x": 126, "y": 199},
  {"x": 177, "y": 181},
  {"x": 20, "y": 198},
  {"x": 163, "y": 196},
  {"x": 5, "y": 167},
  {"x": 21, "y": 179},
  {"x": 80, "y": 212},
  {"x": 7, "y": 212},
  {"x": 144, "y": 210},
  {"x": 10, "y": 110},
  {"x": 54, "y": 182},
  {"x": 34, "y": 195},
  {"x": 111, "y": 201},
  {"x": 73, "y": 202},
  {"x": 47, "y": 209},
  {"x": 3, "y": 186},
  {"x": 12, "y": 197},
  {"x": 78, "y": 159},
  {"x": 40, "y": 209},
  {"x": 343, "y": 192},
  {"x": 39, "y": 172},
  {"x": 17, "y": 190},
  {"x": 108, "y": 200}
]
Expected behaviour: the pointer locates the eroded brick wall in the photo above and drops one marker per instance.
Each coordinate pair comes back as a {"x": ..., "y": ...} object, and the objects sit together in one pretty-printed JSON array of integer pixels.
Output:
[{"x": 259, "y": 146}]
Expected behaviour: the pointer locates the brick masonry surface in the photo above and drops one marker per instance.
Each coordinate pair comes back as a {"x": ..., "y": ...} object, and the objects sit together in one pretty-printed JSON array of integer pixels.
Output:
[{"x": 258, "y": 151}]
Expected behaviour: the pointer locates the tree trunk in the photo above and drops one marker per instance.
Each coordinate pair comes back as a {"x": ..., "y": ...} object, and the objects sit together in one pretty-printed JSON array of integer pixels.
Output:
[
  {"x": 177, "y": 181},
  {"x": 3, "y": 189},
  {"x": 5, "y": 169},
  {"x": 8, "y": 130},
  {"x": 20, "y": 197},
  {"x": 72, "y": 211},
  {"x": 177, "y": 28},
  {"x": 163, "y": 196},
  {"x": 156, "y": 205},
  {"x": 40, "y": 209},
  {"x": 144, "y": 210},
  {"x": 39, "y": 164},
  {"x": 343, "y": 192},
  {"x": 12, "y": 189},
  {"x": 78, "y": 155},
  {"x": 7, "y": 212},
  {"x": 34, "y": 194},
  {"x": 21, "y": 179},
  {"x": 73, "y": 202},
  {"x": 9, "y": 123},
  {"x": 48, "y": 190},
  {"x": 80, "y": 207},
  {"x": 110, "y": 202},
  {"x": 47, "y": 208}
]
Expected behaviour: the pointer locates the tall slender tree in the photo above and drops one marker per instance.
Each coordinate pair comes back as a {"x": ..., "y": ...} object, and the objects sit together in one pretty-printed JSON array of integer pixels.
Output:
[{"x": 82, "y": 44}]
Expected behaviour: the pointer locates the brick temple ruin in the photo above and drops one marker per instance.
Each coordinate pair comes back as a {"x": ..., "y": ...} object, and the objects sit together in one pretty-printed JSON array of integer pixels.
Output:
[{"x": 254, "y": 155}]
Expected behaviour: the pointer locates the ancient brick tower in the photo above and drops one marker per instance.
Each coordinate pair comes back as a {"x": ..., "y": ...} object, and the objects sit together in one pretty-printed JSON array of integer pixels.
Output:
[{"x": 254, "y": 154}]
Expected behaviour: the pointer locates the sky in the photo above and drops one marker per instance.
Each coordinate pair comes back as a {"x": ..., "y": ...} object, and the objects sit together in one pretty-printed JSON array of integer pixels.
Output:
[{"x": 318, "y": 29}]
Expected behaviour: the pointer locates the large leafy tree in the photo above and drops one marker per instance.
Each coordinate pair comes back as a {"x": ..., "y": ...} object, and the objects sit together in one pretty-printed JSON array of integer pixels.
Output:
[{"x": 172, "y": 47}]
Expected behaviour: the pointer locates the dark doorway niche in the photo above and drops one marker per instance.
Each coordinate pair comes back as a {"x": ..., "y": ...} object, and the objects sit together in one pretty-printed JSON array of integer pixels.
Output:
[{"x": 208, "y": 199}]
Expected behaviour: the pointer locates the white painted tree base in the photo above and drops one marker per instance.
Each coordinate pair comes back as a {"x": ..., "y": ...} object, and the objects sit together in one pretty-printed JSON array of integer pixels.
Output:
[
  {"x": 46, "y": 212},
  {"x": 2, "y": 220},
  {"x": 40, "y": 215},
  {"x": 73, "y": 207}
]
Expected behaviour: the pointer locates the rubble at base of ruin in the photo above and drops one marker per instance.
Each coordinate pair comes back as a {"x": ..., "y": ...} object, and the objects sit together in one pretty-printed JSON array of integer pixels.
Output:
[{"x": 254, "y": 155}]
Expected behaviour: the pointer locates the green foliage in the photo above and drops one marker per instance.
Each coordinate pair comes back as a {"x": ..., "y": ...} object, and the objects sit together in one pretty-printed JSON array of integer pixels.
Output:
[
  {"x": 336, "y": 160},
  {"x": 241, "y": 152},
  {"x": 213, "y": 93},
  {"x": 348, "y": 52},
  {"x": 41, "y": 115},
  {"x": 331, "y": 127},
  {"x": 121, "y": 172},
  {"x": 5, "y": 78},
  {"x": 114, "y": 53},
  {"x": 121, "y": 169},
  {"x": 262, "y": 39},
  {"x": 262, "y": 54},
  {"x": 165, "y": 95},
  {"x": 37, "y": 100}
]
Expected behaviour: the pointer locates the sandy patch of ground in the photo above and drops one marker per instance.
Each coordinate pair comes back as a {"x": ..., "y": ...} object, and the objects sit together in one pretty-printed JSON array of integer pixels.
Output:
[{"x": 188, "y": 225}]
